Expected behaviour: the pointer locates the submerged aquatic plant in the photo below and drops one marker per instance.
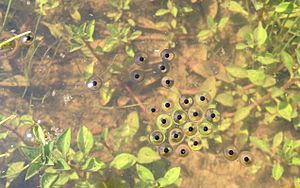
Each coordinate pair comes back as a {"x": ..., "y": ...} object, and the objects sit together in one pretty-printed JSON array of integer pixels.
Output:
[{"x": 244, "y": 54}]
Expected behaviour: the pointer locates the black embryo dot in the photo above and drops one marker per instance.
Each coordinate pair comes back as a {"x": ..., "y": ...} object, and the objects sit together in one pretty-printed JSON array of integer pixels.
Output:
[
  {"x": 163, "y": 121},
  {"x": 202, "y": 98},
  {"x": 230, "y": 152},
  {"x": 182, "y": 151},
  {"x": 205, "y": 128},
  {"x": 191, "y": 129},
  {"x": 179, "y": 117}
]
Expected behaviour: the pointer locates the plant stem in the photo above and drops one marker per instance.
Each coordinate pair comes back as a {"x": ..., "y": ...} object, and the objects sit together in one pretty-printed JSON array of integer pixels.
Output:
[
  {"x": 14, "y": 38},
  {"x": 7, "y": 119},
  {"x": 6, "y": 15}
]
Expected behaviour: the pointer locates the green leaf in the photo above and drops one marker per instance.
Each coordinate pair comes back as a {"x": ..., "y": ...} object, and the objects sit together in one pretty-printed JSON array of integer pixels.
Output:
[
  {"x": 297, "y": 182},
  {"x": 46, "y": 152},
  {"x": 261, "y": 144},
  {"x": 106, "y": 93},
  {"x": 48, "y": 180},
  {"x": 170, "y": 177},
  {"x": 298, "y": 55},
  {"x": 241, "y": 46},
  {"x": 33, "y": 170},
  {"x": 93, "y": 165},
  {"x": 26, "y": 120},
  {"x": 277, "y": 171},
  {"x": 85, "y": 140},
  {"x": 30, "y": 152},
  {"x": 174, "y": 11},
  {"x": 242, "y": 113},
  {"x": 144, "y": 173},
  {"x": 257, "y": 77},
  {"x": 126, "y": 132},
  {"x": 257, "y": 4},
  {"x": 64, "y": 141},
  {"x": 277, "y": 140},
  {"x": 173, "y": 23},
  {"x": 286, "y": 7},
  {"x": 267, "y": 59},
  {"x": 135, "y": 35},
  {"x": 242, "y": 138},
  {"x": 277, "y": 92},
  {"x": 269, "y": 81},
  {"x": 288, "y": 61},
  {"x": 62, "y": 165},
  {"x": 123, "y": 161},
  {"x": 13, "y": 171},
  {"x": 129, "y": 51},
  {"x": 89, "y": 70},
  {"x": 237, "y": 71},
  {"x": 260, "y": 35},
  {"x": 225, "y": 99},
  {"x": 187, "y": 9},
  {"x": 285, "y": 110},
  {"x": 234, "y": 6},
  {"x": 295, "y": 161},
  {"x": 90, "y": 30},
  {"x": 222, "y": 23},
  {"x": 204, "y": 34},
  {"x": 112, "y": 29},
  {"x": 161, "y": 12},
  {"x": 39, "y": 134},
  {"x": 147, "y": 155}
]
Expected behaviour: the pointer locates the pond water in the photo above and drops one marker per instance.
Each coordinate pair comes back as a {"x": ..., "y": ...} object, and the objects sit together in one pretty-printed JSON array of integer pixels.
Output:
[{"x": 142, "y": 94}]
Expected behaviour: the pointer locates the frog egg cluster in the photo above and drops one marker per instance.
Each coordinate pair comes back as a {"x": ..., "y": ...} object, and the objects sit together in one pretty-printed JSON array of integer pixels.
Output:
[
  {"x": 181, "y": 125},
  {"x": 158, "y": 70}
]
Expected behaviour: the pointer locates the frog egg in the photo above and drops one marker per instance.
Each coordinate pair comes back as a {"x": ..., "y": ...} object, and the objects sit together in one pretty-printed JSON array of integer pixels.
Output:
[
  {"x": 179, "y": 117},
  {"x": 205, "y": 128},
  {"x": 186, "y": 101},
  {"x": 195, "y": 113},
  {"x": 202, "y": 99},
  {"x": 140, "y": 59},
  {"x": 163, "y": 121},
  {"x": 28, "y": 39},
  {"x": 29, "y": 136},
  {"x": 167, "y": 55},
  {"x": 163, "y": 67},
  {"x": 195, "y": 143},
  {"x": 137, "y": 75},
  {"x": 165, "y": 150},
  {"x": 156, "y": 137},
  {"x": 167, "y": 105},
  {"x": 231, "y": 153},
  {"x": 246, "y": 158},
  {"x": 190, "y": 129},
  {"x": 153, "y": 110},
  {"x": 176, "y": 135},
  {"x": 167, "y": 82},
  {"x": 93, "y": 83},
  {"x": 182, "y": 150},
  {"x": 212, "y": 115}
]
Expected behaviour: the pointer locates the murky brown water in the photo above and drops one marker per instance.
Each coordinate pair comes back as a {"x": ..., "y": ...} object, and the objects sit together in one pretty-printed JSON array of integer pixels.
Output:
[{"x": 211, "y": 87}]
